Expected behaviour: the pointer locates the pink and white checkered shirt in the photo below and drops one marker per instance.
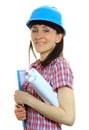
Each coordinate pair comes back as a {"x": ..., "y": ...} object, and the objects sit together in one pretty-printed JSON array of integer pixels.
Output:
[{"x": 58, "y": 74}]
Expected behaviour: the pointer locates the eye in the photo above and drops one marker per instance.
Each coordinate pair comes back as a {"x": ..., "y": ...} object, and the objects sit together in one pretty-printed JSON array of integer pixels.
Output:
[
  {"x": 46, "y": 30},
  {"x": 34, "y": 30}
]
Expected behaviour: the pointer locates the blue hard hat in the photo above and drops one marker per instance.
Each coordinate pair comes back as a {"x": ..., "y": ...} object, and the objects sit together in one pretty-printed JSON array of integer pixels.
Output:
[{"x": 46, "y": 13}]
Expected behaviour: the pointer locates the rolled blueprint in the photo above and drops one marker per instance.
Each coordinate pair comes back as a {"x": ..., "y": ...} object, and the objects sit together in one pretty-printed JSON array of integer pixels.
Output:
[{"x": 42, "y": 87}]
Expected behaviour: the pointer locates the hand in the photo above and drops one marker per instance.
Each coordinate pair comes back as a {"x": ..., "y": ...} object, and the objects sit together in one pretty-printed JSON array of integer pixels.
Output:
[
  {"x": 20, "y": 112},
  {"x": 20, "y": 97}
]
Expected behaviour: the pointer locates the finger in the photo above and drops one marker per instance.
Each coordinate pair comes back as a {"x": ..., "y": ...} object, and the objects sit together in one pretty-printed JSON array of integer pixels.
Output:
[{"x": 21, "y": 117}]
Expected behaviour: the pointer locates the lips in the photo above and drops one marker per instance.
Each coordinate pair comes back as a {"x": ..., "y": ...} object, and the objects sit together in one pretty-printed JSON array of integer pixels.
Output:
[{"x": 39, "y": 43}]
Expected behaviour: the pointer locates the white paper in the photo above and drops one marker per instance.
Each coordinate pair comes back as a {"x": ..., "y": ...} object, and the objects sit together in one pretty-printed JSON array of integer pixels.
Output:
[{"x": 42, "y": 87}]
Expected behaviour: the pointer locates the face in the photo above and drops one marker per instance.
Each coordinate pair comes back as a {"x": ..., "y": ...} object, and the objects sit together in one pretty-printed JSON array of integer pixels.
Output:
[{"x": 44, "y": 39}]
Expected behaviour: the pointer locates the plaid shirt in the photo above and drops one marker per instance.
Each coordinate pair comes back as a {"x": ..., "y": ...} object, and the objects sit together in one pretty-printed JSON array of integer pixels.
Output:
[{"x": 58, "y": 74}]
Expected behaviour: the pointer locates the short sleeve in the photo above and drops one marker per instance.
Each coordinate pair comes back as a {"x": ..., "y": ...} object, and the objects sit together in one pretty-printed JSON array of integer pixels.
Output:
[{"x": 62, "y": 75}]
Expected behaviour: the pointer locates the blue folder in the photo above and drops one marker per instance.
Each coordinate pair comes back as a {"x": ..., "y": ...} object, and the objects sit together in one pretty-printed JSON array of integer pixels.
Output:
[{"x": 21, "y": 78}]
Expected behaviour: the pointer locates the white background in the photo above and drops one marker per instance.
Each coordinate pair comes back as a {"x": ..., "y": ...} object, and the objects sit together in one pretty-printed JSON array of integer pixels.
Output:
[{"x": 14, "y": 41}]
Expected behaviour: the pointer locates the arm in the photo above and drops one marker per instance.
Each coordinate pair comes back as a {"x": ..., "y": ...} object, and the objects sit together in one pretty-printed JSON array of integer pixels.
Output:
[{"x": 65, "y": 114}]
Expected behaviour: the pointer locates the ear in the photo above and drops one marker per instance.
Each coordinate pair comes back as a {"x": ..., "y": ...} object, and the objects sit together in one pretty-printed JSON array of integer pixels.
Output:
[{"x": 59, "y": 37}]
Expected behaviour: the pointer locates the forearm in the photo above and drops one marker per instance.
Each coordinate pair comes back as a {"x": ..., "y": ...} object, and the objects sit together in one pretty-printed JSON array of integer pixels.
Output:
[
  {"x": 65, "y": 114},
  {"x": 53, "y": 113}
]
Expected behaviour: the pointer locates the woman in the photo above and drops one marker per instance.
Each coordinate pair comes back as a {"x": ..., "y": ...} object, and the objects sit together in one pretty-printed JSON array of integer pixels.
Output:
[{"x": 47, "y": 35}]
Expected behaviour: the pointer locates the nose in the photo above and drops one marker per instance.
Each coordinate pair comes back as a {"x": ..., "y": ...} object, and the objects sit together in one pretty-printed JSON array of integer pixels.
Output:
[{"x": 39, "y": 35}]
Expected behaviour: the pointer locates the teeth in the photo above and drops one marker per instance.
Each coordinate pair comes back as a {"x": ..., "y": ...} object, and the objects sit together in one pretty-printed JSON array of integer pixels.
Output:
[{"x": 40, "y": 43}]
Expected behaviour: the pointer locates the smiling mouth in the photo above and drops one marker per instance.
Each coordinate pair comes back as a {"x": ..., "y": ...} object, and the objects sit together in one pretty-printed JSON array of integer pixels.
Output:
[{"x": 39, "y": 43}]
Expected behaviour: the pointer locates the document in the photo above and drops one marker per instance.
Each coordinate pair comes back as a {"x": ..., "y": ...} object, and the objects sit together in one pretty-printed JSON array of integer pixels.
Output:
[{"x": 39, "y": 84}]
